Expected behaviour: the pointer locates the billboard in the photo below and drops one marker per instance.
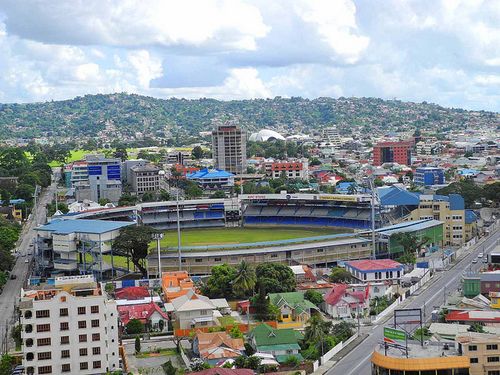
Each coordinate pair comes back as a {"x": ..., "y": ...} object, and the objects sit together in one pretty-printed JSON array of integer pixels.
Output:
[{"x": 391, "y": 335}]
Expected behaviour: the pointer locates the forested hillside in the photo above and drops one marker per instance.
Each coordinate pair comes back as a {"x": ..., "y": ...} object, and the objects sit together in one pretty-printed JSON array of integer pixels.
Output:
[{"x": 127, "y": 114}]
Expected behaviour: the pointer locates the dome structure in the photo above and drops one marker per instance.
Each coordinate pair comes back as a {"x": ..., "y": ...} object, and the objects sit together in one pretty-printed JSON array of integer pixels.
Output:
[{"x": 265, "y": 135}]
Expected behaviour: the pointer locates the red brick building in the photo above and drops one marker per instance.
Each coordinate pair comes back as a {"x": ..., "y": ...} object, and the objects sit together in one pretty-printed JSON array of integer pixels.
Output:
[{"x": 392, "y": 152}]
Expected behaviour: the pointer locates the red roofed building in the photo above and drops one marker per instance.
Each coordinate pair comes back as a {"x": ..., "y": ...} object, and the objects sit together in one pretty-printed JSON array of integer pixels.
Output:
[
  {"x": 215, "y": 346},
  {"x": 132, "y": 293},
  {"x": 291, "y": 169},
  {"x": 223, "y": 371},
  {"x": 341, "y": 302},
  {"x": 487, "y": 317},
  {"x": 146, "y": 313},
  {"x": 375, "y": 269}
]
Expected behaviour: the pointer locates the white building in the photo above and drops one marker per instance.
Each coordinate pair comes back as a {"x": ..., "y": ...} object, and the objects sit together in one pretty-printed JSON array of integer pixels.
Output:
[
  {"x": 375, "y": 270},
  {"x": 193, "y": 311},
  {"x": 69, "y": 327}
]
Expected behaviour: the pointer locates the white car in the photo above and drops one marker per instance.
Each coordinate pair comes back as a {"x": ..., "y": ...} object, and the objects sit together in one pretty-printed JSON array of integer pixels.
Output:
[
  {"x": 480, "y": 255},
  {"x": 26, "y": 261},
  {"x": 474, "y": 260}
]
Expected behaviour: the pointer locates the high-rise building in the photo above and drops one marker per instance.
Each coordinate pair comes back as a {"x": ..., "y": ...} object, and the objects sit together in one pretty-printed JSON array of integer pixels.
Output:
[
  {"x": 69, "y": 326},
  {"x": 145, "y": 178},
  {"x": 428, "y": 176},
  {"x": 392, "y": 152},
  {"x": 229, "y": 148}
]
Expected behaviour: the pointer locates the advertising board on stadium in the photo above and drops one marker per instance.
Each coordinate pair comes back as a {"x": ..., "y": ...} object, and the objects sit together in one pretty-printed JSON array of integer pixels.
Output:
[{"x": 323, "y": 197}]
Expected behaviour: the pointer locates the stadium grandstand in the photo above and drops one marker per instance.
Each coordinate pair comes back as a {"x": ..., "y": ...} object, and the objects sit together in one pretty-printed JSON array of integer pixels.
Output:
[{"x": 327, "y": 210}]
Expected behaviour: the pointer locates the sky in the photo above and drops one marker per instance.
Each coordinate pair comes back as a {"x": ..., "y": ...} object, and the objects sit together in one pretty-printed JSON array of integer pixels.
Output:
[{"x": 441, "y": 51}]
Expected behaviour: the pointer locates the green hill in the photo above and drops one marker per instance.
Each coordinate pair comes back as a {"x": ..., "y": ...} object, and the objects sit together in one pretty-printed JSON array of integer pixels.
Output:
[{"x": 128, "y": 114}]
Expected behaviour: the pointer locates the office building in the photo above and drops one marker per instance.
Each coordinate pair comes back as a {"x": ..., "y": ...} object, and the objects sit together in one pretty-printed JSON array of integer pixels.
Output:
[
  {"x": 229, "y": 148},
  {"x": 392, "y": 152},
  {"x": 95, "y": 178},
  {"x": 145, "y": 178},
  {"x": 482, "y": 350},
  {"x": 69, "y": 326},
  {"x": 428, "y": 176},
  {"x": 287, "y": 169},
  {"x": 127, "y": 168}
]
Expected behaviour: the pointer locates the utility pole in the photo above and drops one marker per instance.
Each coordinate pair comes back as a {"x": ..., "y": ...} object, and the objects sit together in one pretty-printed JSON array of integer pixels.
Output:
[
  {"x": 179, "y": 232},
  {"x": 158, "y": 237}
]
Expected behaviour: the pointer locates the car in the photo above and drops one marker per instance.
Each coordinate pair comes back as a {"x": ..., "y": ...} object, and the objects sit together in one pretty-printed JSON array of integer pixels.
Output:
[
  {"x": 485, "y": 260},
  {"x": 13, "y": 276},
  {"x": 474, "y": 260},
  {"x": 27, "y": 261},
  {"x": 480, "y": 255}
]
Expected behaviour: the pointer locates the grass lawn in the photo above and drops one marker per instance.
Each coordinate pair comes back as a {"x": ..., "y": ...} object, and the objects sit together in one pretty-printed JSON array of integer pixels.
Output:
[
  {"x": 226, "y": 320},
  {"x": 158, "y": 353},
  {"x": 118, "y": 261},
  {"x": 214, "y": 236}
]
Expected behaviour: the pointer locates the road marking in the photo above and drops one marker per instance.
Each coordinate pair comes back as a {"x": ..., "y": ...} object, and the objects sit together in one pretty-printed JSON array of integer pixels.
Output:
[{"x": 353, "y": 371}]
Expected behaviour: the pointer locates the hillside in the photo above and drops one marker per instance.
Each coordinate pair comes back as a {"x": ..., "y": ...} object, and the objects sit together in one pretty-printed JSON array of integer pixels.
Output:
[{"x": 124, "y": 115}]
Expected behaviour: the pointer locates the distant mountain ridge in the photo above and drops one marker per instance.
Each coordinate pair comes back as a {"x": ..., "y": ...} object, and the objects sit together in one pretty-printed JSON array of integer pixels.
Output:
[{"x": 126, "y": 114}]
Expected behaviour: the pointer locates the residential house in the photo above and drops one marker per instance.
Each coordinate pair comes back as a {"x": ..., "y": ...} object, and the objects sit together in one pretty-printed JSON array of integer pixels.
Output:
[
  {"x": 216, "y": 346},
  {"x": 281, "y": 343},
  {"x": 175, "y": 284},
  {"x": 293, "y": 306},
  {"x": 132, "y": 293},
  {"x": 375, "y": 269},
  {"x": 303, "y": 273},
  {"x": 342, "y": 302},
  {"x": 194, "y": 311},
  {"x": 147, "y": 313}
]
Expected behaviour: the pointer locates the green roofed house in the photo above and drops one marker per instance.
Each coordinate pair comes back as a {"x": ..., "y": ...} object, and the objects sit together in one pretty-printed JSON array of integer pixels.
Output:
[
  {"x": 281, "y": 343},
  {"x": 293, "y": 306}
]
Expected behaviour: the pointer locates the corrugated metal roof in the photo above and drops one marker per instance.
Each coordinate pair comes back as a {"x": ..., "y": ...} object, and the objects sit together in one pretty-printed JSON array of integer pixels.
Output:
[
  {"x": 209, "y": 173},
  {"x": 83, "y": 226},
  {"x": 409, "y": 226}
]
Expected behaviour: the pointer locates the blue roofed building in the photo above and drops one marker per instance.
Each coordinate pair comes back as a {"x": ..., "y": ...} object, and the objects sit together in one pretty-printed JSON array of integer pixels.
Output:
[
  {"x": 212, "y": 179},
  {"x": 74, "y": 247}
]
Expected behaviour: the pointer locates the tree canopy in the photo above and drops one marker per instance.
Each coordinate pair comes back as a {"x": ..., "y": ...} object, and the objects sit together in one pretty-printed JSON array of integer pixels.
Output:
[{"x": 133, "y": 242}]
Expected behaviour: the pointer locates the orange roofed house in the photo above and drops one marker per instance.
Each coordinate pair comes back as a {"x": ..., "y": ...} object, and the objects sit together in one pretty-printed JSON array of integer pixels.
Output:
[
  {"x": 175, "y": 284},
  {"x": 217, "y": 346}
]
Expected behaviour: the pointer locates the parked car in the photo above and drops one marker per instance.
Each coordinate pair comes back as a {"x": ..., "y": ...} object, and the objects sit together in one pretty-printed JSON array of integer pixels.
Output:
[
  {"x": 13, "y": 276},
  {"x": 474, "y": 260},
  {"x": 27, "y": 261}
]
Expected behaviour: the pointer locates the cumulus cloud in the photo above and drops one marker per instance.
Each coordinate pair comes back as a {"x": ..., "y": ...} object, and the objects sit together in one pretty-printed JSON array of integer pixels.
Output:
[{"x": 445, "y": 51}]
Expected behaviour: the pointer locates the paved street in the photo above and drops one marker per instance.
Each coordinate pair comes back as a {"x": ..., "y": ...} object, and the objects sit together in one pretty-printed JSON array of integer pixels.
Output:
[
  {"x": 443, "y": 284},
  {"x": 10, "y": 295}
]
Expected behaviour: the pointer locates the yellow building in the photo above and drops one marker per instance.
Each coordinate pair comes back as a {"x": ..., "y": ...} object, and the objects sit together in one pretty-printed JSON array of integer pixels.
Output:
[
  {"x": 483, "y": 352},
  {"x": 451, "y": 211},
  {"x": 495, "y": 300},
  {"x": 427, "y": 361}
]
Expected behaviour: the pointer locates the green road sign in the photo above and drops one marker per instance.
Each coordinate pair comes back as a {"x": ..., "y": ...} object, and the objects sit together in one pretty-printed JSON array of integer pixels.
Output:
[{"x": 394, "y": 334}]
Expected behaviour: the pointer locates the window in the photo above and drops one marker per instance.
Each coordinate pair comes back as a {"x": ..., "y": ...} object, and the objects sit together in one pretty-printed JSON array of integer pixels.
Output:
[
  {"x": 44, "y": 369},
  {"x": 84, "y": 366},
  {"x": 64, "y": 339},
  {"x": 494, "y": 372},
  {"x": 43, "y": 328},
  {"x": 81, "y": 310},
  {"x": 43, "y": 342},
  {"x": 64, "y": 353},
  {"x": 203, "y": 312},
  {"x": 66, "y": 367},
  {"x": 474, "y": 360},
  {"x": 198, "y": 260},
  {"x": 44, "y": 355},
  {"x": 96, "y": 364},
  {"x": 82, "y": 338},
  {"x": 95, "y": 323},
  {"x": 43, "y": 314},
  {"x": 274, "y": 255},
  {"x": 82, "y": 324},
  {"x": 493, "y": 359},
  {"x": 63, "y": 299},
  {"x": 472, "y": 348},
  {"x": 95, "y": 337},
  {"x": 63, "y": 312},
  {"x": 492, "y": 347},
  {"x": 96, "y": 350},
  {"x": 94, "y": 309},
  {"x": 64, "y": 326},
  {"x": 217, "y": 259},
  {"x": 83, "y": 352}
]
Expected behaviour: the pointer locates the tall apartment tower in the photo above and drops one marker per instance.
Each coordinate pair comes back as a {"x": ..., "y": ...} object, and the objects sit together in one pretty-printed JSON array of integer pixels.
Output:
[
  {"x": 392, "y": 152},
  {"x": 69, "y": 326},
  {"x": 229, "y": 148}
]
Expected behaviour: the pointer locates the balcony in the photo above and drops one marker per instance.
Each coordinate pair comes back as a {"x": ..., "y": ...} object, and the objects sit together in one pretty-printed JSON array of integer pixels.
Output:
[{"x": 65, "y": 264}]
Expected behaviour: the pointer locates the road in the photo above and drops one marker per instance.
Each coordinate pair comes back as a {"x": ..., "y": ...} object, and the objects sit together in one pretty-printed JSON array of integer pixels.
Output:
[
  {"x": 10, "y": 295},
  {"x": 357, "y": 362}
]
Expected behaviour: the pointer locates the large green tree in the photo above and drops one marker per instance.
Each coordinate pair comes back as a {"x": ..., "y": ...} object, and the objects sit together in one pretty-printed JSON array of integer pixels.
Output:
[
  {"x": 275, "y": 278},
  {"x": 340, "y": 275},
  {"x": 133, "y": 242},
  {"x": 220, "y": 282}
]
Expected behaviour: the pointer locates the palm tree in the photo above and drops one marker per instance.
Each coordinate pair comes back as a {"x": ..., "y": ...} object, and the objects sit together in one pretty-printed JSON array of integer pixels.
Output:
[{"x": 244, "y": 282}]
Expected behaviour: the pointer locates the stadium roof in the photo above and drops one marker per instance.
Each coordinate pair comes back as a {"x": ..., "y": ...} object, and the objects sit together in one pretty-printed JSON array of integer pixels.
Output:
[
  {"x": 396, "y": 196},
  {"x": 265, "y": 135},
  {"x": 83, "y": 226},
  {"x": 209, "y": 173},
  {"x": 408, "y": 226}
]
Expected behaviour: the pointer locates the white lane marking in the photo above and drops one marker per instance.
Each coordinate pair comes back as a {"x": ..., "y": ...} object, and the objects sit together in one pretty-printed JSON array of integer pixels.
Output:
[{"x": 353, "y": 371}]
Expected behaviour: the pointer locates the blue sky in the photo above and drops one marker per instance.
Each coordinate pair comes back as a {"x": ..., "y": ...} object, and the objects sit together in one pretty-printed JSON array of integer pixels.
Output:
[{"x": 442, "y": 51}]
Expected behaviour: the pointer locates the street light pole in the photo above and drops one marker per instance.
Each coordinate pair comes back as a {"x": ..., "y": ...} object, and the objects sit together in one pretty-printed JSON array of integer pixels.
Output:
[
  {"x": 158, "y": 237},
  {"x": 179, "y": 233}
]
